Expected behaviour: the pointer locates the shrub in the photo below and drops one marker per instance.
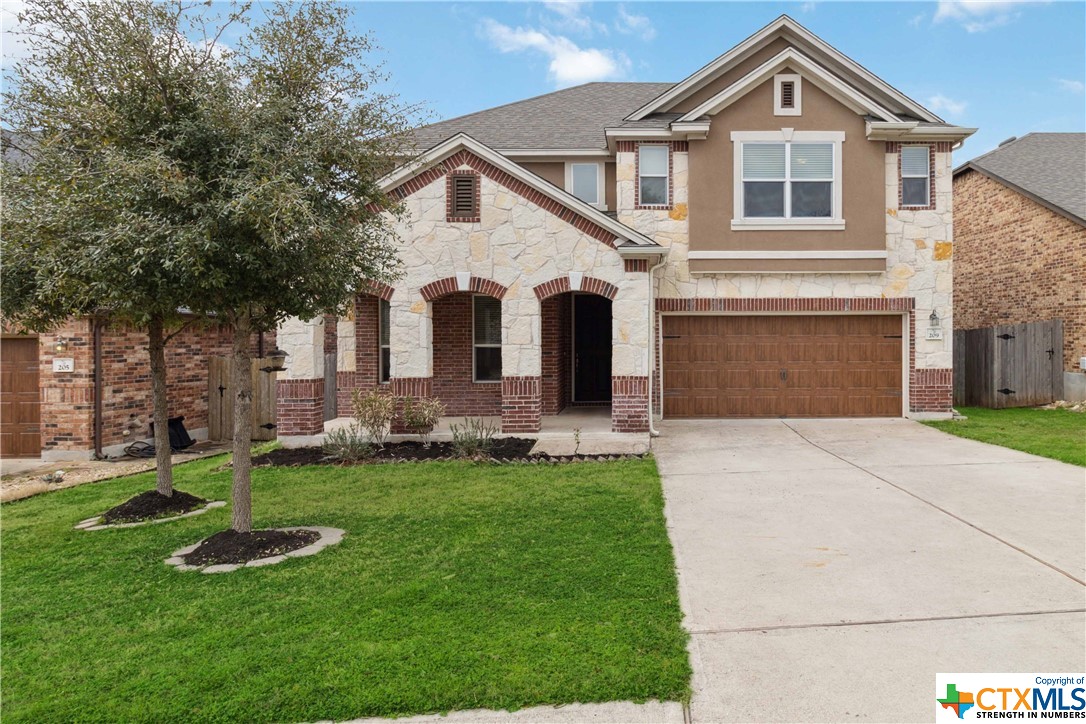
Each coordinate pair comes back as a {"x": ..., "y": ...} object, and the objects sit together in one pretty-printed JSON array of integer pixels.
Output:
[
  {"x": 420, "y": 415},
  {"x": 474, "y": 438},
  {"x": 373, "y": 411},
  {"x": 348, "y": 444}
]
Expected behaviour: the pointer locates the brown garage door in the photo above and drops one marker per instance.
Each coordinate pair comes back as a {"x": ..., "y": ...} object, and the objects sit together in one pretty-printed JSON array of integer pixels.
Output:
[
  {"x": 795, "y": 366},
  {"x": 20, "y": 409}
]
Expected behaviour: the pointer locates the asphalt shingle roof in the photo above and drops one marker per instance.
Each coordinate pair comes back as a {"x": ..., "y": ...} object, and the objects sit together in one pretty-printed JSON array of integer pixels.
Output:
[
  {"x": 573, "y": 118},
  {"x": 1051, "y": 166}
]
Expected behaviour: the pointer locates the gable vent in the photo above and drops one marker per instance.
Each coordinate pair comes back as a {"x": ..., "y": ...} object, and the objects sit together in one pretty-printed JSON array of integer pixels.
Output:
[
  {"x": 788, "y": 94},
  {"x": 463, "y": 195}
]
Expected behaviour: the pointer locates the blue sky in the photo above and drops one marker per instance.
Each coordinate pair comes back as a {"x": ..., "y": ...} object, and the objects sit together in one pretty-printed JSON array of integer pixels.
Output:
[{"x": 1008, "y": 68}]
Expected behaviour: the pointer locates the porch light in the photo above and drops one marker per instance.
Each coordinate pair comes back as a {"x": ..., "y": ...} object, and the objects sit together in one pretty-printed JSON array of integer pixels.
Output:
[
  {"x": 933, "y": 320},
  {"x": 61, "y": 345},
  {"x": 278, "y": 361}
]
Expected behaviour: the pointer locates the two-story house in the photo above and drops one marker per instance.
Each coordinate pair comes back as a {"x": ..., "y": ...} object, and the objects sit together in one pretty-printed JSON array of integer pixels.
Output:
[{"x": 769, "y": 237}]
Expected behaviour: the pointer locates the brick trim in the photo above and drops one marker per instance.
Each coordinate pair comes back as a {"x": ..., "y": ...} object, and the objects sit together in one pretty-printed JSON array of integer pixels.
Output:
[
  {"x": 402, "y": 387},
  {"x": 670, "y": 176},
  {"x": 635, "y": 265},
  {"x": 376, "y": 289},
  {"x": 590, "y": 285},
  {"x": 485, "y": 168},
  {"x": 522, "y": 403},
  {"x": 931, "y": 390},
  {"x": 934, "y": 147},
  {"x": 299, "y": 407},
  {"x": 476, "y": 187},
  {"x": 775, "y": 304},
  {"x": 477, "y": 285},
  {"x": 629, "y": 403}
]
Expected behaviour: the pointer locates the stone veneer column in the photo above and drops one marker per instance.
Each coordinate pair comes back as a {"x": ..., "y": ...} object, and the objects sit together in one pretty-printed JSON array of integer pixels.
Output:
[
  {"x": 629, "y": 355},
  {"x": 300, "y": 389},
  {"x": 522, "y": 361},
  {"x": 412, "y": 357}
]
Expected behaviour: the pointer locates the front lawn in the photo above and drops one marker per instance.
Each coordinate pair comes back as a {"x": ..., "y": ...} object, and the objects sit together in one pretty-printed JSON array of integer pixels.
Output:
[
  {"x": 458, "y": 586},
  {"x": 1056, "y": 434}
]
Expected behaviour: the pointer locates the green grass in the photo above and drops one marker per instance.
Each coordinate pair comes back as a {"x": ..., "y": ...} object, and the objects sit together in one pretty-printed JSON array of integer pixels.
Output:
[
  {"x": 458, "y": 586},
  {"x": 1056, "y": 434}
]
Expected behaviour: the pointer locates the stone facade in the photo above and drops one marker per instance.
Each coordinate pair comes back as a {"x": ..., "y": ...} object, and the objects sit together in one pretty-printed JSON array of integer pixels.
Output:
[{"x": 1018, "y": 261}]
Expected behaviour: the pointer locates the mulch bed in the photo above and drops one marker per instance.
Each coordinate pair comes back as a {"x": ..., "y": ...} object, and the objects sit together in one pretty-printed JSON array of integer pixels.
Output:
[
  {"x": 503, "y": 448},
  {"x": 229, "y": 546},
  {"x": 152, "y": 504}
]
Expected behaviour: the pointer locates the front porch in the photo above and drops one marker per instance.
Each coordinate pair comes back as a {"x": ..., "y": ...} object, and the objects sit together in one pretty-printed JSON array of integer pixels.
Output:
[{"x": 584, "y": 430}]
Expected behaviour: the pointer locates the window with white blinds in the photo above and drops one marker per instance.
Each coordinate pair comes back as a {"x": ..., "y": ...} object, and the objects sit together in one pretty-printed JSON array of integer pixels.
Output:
[
  {"x": 788, "y": 180},
  {"x": 652, "y": 170},
  {"x": 915, "y": 175},
  {"x": 486, "y": 339}
]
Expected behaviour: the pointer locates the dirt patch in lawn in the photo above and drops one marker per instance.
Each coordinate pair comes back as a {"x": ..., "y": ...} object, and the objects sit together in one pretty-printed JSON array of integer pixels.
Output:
[
  {"x": 229, "y": 546},
  {"x": 152, "y": 504},
  {"x": 503, "y": 448}
]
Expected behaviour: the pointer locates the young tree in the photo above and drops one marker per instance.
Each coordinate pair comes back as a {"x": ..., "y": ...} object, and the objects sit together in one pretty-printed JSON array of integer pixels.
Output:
[
  {"x": 105, "y": 197},
  {"x": 302, "y": 218}
]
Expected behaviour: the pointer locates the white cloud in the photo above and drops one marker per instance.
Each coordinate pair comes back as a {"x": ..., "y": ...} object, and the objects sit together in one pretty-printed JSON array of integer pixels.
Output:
[
  {"x": 13, "y": 46},
  {"x": 571, "y": 15},
  {"x": 940, "y": 102},
  {"x": 1071, "y": 86},
  {"x": 977, "y": 16},
  {"x": 569, "y": 63},
  {"x": 633, "y": 24},
  {"x": 916, "y": 20},
  {"x": 808, "y": 7}
]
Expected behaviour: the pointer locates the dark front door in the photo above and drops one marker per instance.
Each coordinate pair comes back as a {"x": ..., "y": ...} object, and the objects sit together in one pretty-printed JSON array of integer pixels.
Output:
[{"x": 591, "y": 348}]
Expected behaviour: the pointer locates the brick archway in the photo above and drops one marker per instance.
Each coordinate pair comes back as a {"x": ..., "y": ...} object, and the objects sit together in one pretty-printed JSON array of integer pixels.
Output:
[
  {"x": 451, "y": 285},
  {"x": 562, "y": 284},
  {"x": 376, "y": 289}
]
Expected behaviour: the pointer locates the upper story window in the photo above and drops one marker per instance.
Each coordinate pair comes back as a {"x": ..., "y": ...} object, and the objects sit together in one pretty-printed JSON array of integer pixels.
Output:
[
  {"x": 462, "y": 201},
  {"x": 653, "y": 164},
  {"x": 787, "y": 95},
  {"x": 787, "y": 179},
  {"x": 916, "y": 175},
  {"x": 384, "y": 349},
  {"x": 585, "y": 181},
  {"x": 486, "y": 339}
]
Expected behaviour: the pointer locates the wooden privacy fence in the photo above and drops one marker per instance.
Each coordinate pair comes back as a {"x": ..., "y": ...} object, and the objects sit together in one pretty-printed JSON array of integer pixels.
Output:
[
  {"x": 1011, "y": 365},
  {"x": 220, "y": 399}
]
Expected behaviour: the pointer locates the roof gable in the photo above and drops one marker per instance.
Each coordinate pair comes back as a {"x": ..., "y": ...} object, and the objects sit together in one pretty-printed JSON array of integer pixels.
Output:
[
  {"x": 463, "y": 149},
  {"x": 810, "y": 70},
  {"x": 833, "y": 61}
]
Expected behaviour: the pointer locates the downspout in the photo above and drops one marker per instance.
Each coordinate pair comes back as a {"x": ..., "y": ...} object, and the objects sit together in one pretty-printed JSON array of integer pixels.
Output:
[
  {"x": 97, "y": 336},
  {"x": 653, "y": 432}
]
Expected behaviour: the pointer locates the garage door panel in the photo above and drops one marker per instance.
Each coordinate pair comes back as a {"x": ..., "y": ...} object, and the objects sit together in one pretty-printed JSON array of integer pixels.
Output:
[
  {"x": 20, "y": 409},
  {"x": 730, "y": 366}
]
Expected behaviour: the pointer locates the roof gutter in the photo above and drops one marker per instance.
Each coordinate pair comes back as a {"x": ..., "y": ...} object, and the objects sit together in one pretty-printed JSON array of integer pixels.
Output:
[{"x": 913, "y": 131}]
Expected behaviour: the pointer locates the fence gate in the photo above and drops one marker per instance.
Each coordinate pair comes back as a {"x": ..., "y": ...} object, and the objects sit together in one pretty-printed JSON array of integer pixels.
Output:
[
  {"x": 1010, "y": 365},
  {"x": 220, "y": 399}
]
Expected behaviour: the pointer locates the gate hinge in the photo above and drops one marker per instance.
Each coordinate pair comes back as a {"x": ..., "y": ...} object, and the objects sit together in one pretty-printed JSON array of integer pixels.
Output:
[
  {"x": 269, "y": 426},
  {"x": 1006, "y": 391},
  {"x": 672, "y": 336},
  {"x": 1005, "y": 336}
]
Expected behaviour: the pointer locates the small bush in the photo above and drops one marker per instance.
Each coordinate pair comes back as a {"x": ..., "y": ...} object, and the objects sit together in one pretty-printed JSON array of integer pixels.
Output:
[
  {"x": 373, "y": 412},
  {"x": 420, "y": 415},
  {"x": 473, "y": 439},
  {"x": 348, "y": 444}
]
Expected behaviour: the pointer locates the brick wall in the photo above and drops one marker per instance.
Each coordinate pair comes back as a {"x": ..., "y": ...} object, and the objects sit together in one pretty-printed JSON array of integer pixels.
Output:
[
  {"x": 521, "y": 404},
  {"x": 931, "y": 390},
  {"x": 300, "y": 407},
  {"x": 556, "y": 349},
  {"x": 629, "y": 403},
  {"x": 67, "y": 412},
  {"x": 1017, "y": 261},
  {"x": 453, "y": 383}
]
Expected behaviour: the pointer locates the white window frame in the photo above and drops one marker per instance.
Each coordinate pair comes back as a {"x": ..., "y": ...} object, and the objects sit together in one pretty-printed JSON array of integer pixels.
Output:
[
  {"x": 600, "y": 202},
  {"x": 475, "y": 345},
  {"x": 836, "y": 222},
  {"x": 666, "y": 176},
  {"x": 381, "y": 347},
  {"x": 797, "y": 94},
  {"x": 926, "y": 177}
]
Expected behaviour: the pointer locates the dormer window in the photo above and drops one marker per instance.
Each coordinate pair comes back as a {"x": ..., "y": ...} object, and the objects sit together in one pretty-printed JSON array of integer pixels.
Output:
[{"x": 787, "y": 95}]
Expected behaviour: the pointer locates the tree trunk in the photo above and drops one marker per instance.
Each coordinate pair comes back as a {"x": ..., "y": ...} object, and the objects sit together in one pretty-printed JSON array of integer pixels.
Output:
[
  {"x": 242, "y": 520},
  {"x": 156, "y": 336}
]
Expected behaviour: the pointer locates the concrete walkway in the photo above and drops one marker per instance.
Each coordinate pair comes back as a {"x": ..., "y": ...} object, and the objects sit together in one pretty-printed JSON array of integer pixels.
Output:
[{"x": 828, "y": 569}]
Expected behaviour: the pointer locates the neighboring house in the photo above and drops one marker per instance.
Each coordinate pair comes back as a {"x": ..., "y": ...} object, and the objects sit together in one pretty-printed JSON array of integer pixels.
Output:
[
  {"x": 85, "y": 387},
  {"x": 1020, "y": 228},
  {"x": 772, "y": 233}
]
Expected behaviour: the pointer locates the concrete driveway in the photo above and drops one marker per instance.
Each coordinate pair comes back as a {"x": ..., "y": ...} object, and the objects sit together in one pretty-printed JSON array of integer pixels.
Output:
[{"x": 828, "y": 569}]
